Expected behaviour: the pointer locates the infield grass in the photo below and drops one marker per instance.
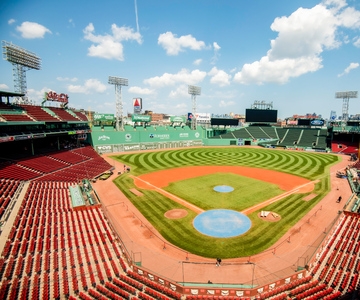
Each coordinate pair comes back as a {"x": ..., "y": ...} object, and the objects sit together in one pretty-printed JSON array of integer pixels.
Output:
[
  {"x": 200, "y": 191},
  {"x": 262, "y": 235}
]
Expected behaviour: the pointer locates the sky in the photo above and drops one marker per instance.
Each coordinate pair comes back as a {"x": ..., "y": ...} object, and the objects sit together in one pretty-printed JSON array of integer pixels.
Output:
[{"x": 296, "y": 54}]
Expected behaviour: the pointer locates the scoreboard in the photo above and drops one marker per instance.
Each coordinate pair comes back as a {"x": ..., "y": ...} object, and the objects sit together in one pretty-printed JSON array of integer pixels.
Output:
[{"x": 261, "y": 116}]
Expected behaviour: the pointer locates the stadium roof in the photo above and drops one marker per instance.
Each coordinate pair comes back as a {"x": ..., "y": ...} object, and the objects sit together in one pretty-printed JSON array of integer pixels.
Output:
[{"x": 10, "y": 94}]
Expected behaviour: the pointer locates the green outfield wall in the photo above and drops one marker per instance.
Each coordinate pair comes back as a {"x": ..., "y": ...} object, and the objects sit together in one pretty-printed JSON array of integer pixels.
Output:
[{"x": 122, "y": 141}]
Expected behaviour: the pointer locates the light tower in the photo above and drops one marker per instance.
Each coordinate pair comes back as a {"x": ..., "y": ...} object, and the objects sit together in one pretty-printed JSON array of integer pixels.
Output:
[
  {"x": 118, "y": 82},
  {"x": 21, "y": 60},
  {"x": 194, "y": 91},
  {"x": 345, "y": 108}
]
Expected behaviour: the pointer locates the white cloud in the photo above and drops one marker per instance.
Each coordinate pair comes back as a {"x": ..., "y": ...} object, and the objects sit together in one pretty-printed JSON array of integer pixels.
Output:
[
  {"x": 140, "y": 91},
  {"x": 11, "y": 21},
  {"x": 335, "y": 5},
  {"x": 31, "y": 30},
  {"x": 216, "y": 53},
  {"x": 173, "y": 45},
  {"x": 350, "y": 18},
  {"x": 3, "y": 86},
  {"x": 183, "y": 76},
  {"x": 357, "y": 42},
  {"x": 216, "y": 46},
  {"x": 278, "y": 71},
  {"x": 110, "y": 46},
  {"x": 158, "y": 107},
  {"x": 302, "y": 37},
  {"x": 71, "y": 21},
  {"x": 197, "y": 62},
  {"x": 349, "y": 68},
  {"x": 202, "y": 106},
  {"x": 180, "y": 92},
  {"x": 226, "y": 104},
  {"x": 219, "y": 77},
  {"x": 90, "y": 86},
  {"x": 233, "y": 70},
  {"x": 181, "y": 107},
  {"x": 66, "y": 79},
  {"x": 37, "y": 95}
]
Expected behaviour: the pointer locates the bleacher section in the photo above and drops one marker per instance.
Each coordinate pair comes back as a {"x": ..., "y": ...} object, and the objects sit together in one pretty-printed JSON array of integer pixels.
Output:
[
  {"x": 4, "y": 106},
  {"x": 63, "y": 114},
  {"x": 239, "y": 134},
  {"x": 68, "y": 166},
  {"x": 42, "y": 163},
  {"x": 287, "y": 137},
  {"x": 80, "y": 115},
  {"x": 52, "y": 251},
  {"x": 257, "y": 132},
  {"x": 291, "y": 137},
  {"x": 308, "y": 138},
  {"x": 270, "y": 132},
  {"x": 7, "y": 191},
  {"x": 9, "y": 170},
  {"x": 345, "y": 147},
  {"x": 67, "y": 157},
  {"x": 38, "y": 113},
  {"x": 339, "y": 265},
  {"x": 16, "y": 118}
]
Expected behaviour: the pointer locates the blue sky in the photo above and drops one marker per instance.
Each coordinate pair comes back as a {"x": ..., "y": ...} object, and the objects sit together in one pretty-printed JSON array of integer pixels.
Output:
[{"x": 296, "y": 54}]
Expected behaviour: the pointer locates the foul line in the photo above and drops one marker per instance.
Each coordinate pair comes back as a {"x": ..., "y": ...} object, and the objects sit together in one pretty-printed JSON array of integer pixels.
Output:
[{"x": 177, "y": 199}]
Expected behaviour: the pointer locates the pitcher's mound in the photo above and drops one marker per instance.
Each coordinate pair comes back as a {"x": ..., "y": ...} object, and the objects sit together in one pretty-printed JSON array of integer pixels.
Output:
[
  {"x": 270, "y": 216},
  {"x": 176, "y": 213}
]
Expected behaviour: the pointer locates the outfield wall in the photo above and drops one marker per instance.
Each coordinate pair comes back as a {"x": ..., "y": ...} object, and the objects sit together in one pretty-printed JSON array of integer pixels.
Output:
[{"x": 122, "y": 141}]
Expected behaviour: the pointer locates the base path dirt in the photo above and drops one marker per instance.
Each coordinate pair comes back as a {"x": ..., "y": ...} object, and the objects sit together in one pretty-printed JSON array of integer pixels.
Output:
[{"x": 162, "y": 179}]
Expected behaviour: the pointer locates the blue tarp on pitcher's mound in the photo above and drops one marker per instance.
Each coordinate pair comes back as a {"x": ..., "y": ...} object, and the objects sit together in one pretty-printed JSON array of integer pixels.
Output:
[{"x": 222, "y": 223}]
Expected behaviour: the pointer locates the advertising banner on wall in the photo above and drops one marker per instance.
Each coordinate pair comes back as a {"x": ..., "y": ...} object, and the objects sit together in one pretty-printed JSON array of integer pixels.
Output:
[
  {"x": 141, "y": 118},
  {"x": 103, "y": 117},
  {"x": 317, "y": 122},
  {"x": 203, "y": 117},
  {"x": 177, "y": 119},
  {"x": 200, "y": 117}
]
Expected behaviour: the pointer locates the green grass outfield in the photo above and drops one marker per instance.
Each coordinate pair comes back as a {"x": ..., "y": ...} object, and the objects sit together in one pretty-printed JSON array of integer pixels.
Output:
[{"x": 262, "y": 234}]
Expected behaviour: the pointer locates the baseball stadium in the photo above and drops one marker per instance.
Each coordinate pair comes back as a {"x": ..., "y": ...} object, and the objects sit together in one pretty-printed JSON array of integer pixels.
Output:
[{"x": 93, "y": 208}]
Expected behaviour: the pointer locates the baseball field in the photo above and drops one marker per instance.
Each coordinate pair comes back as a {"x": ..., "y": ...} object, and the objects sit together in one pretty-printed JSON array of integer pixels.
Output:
[{"x": 296, "y": 181}]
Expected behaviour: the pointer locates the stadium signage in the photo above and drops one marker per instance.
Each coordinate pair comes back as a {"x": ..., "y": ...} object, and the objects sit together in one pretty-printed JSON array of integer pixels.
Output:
[
  {"x": 162, "y": 136},
  {"x": 137, "y": 103},
  {"x": 38, "y": 135},
  {"x": 133, "y": 147},
  {"x": 177, "y": 119},
  {"x": 6, "y": 139},
  {"x": 52, "y": 96},
  {"x": 141, "y": 118},
  {"x": 184, "y": 135},
  {"x": 22, "y": 137},
  {"x": 317, "y": 122},
  {"x": 103, "y": 117},
  {"x": 103, "y": 138}
]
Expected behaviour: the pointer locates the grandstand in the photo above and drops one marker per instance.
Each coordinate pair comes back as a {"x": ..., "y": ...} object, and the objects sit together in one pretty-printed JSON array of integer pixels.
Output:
[{"x": 280, "y": 137}]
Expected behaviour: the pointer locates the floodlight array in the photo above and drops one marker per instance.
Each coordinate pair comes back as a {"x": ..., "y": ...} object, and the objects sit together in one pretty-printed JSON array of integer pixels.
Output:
[
  {"x": 349, "y": 94},
  {"x": 118, "y": 81},
  {"x": 194, "y": 90},
  {"x": 20, "y": 56}
]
